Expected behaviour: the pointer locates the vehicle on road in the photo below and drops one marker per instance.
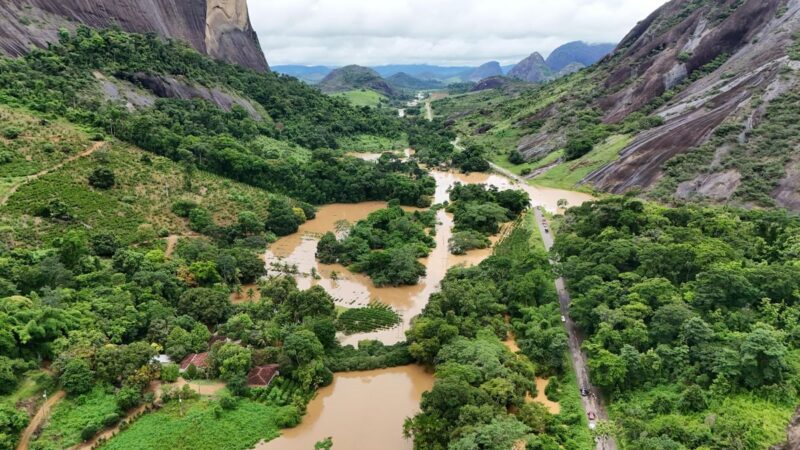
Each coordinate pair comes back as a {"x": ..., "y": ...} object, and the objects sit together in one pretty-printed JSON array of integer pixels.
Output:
[
  {"x": 563, "y": 319},
  {"x": 584, "y": 392},
  {"x": 591, "y": 415}
]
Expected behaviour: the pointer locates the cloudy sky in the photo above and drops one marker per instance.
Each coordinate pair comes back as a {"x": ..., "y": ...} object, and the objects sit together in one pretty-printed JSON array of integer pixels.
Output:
[{"x": 445, "y": 32}]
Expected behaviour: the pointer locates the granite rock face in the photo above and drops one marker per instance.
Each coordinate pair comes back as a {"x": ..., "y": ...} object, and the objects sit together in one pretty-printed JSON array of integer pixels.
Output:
[{"x": 218, "y": 28}]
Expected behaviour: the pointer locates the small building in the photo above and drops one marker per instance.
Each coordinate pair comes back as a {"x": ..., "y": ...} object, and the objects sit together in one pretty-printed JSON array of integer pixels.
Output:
[
  {"x": 262, "y": 376},
  {"x": 162, "y": 359},
  {"x": 199, "y": 360}
]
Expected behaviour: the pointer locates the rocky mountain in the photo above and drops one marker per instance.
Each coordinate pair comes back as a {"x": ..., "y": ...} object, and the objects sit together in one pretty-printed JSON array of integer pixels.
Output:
[
  {"x": 577, "y": 52},
  {"x": 717, "y": 71},
  {"x": 532, "y": 69},
  {"x": 490, "y": 69},
  {"x": 701, "y": 100},
  {"x": 354, "y": 77},
  {"x": 218, "y": 28},
  {"x": 567, "y": 59}
]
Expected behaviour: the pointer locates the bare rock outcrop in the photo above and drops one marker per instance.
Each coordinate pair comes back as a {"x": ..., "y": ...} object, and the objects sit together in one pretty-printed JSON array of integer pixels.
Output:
[
  {"x": 654, "y": 58},
  {"x": 218, "y": 28}
]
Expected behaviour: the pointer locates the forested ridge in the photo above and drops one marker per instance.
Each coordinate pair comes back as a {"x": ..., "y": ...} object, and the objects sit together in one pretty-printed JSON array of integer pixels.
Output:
[{"x": 234, "y": 143}]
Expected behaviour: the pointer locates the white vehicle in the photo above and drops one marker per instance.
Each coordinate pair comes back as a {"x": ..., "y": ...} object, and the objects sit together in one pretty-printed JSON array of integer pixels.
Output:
[{"x": 563, "y": 319}]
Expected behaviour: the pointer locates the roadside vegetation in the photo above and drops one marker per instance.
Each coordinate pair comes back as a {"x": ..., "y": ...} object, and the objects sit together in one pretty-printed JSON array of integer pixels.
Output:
[{"x": 689, "y": 315}]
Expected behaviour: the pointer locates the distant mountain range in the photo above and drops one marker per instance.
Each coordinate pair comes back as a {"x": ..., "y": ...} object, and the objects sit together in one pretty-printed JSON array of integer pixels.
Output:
[{"x": 571, "y": 56}]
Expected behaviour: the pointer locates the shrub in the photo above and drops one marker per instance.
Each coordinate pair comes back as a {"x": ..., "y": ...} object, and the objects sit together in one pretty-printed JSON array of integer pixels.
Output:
[
  {"x": 287, "y": 417},
  {"x": 12, "y": 133},
  {"x": 110, "y": 420},
  {"x": 516, "y": 158},
  {"x": 200, "y": 220},
  {"x": 182, "y": 208},
  {"x": 104, "y": 244},
  {"x": 128, "y": 398},
  {"x": 170, "y": 373},
  {"x": 577, "y": 146},
  {"x": 227, "y": 402},
  {"x": 77, "y": 377},
  {"x": 463, "y": 241},
  {"x": 102, "y": 178},
  {"x": 89, "y": 431}
]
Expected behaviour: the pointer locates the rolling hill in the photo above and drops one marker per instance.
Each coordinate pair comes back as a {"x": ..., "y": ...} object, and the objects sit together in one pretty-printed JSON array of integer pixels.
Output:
[{"x": 355, "y": 77}]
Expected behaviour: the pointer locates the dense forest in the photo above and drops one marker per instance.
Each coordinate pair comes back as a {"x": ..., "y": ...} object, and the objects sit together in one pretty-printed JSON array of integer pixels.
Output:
[{"x": 691, "y": 316}]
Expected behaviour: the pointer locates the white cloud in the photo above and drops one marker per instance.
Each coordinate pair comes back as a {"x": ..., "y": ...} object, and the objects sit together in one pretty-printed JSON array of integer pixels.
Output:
[{"x": 447, "y": 32}]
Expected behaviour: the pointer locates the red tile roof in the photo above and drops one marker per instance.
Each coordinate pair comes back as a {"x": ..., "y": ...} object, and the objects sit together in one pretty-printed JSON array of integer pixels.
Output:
[
  {"x": 262, "y": 375},
  {"x": 200, "y": 360}
]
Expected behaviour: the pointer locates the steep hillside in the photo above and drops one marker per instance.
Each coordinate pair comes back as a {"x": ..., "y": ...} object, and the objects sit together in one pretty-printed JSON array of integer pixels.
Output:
[
  {"x": 218, "y": 28},
  {"x": 355, "y": 77},
  {"x": 703, "y": 91},
  {"x": 532, "y": 69}
]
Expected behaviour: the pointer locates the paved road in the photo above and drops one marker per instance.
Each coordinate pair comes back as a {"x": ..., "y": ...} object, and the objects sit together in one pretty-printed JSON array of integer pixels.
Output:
[{"x": 591, "y": 403}]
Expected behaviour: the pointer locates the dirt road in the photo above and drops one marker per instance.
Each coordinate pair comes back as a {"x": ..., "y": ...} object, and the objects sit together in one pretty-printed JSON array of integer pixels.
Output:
[
  {"x": 41, "y": 415},
  {"x": 428, "y": 110},
  {"x": 27, "y": 179},
  {"x": 591, "y": 403}
]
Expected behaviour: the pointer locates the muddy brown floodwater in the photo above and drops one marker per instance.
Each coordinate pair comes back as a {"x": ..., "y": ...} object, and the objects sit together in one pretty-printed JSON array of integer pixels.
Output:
[
  {"x": 352, "y": 289},
  {"x": 355, "y": 290},
  {"x": 366, "y": 410},
  {"x": 360, "y": 410}
]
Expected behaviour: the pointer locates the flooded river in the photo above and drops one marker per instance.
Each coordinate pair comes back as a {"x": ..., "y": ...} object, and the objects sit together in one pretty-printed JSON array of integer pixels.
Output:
[
  {"x": 362, "y": 410},
  {"x": 352, "y": 289},
  {"x": 367, "y": 409}
]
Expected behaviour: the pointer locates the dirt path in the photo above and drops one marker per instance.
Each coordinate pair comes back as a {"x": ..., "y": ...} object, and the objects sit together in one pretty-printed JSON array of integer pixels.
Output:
[
  {"x": 428, "y": 110},
  {"x": 592, "y": 402},
  {"x": 41, "y": 415},
  {"x": 27, "y": 179},
  {"x": 172, "y": 241}
]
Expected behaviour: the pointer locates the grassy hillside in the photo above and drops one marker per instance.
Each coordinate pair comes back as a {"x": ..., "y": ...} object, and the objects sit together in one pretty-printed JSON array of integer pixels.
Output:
[{"x": 137, "y": 208}]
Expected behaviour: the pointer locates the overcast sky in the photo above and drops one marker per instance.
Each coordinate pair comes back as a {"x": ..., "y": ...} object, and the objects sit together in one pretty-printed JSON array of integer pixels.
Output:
[{"x": 444, "y": 32}]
